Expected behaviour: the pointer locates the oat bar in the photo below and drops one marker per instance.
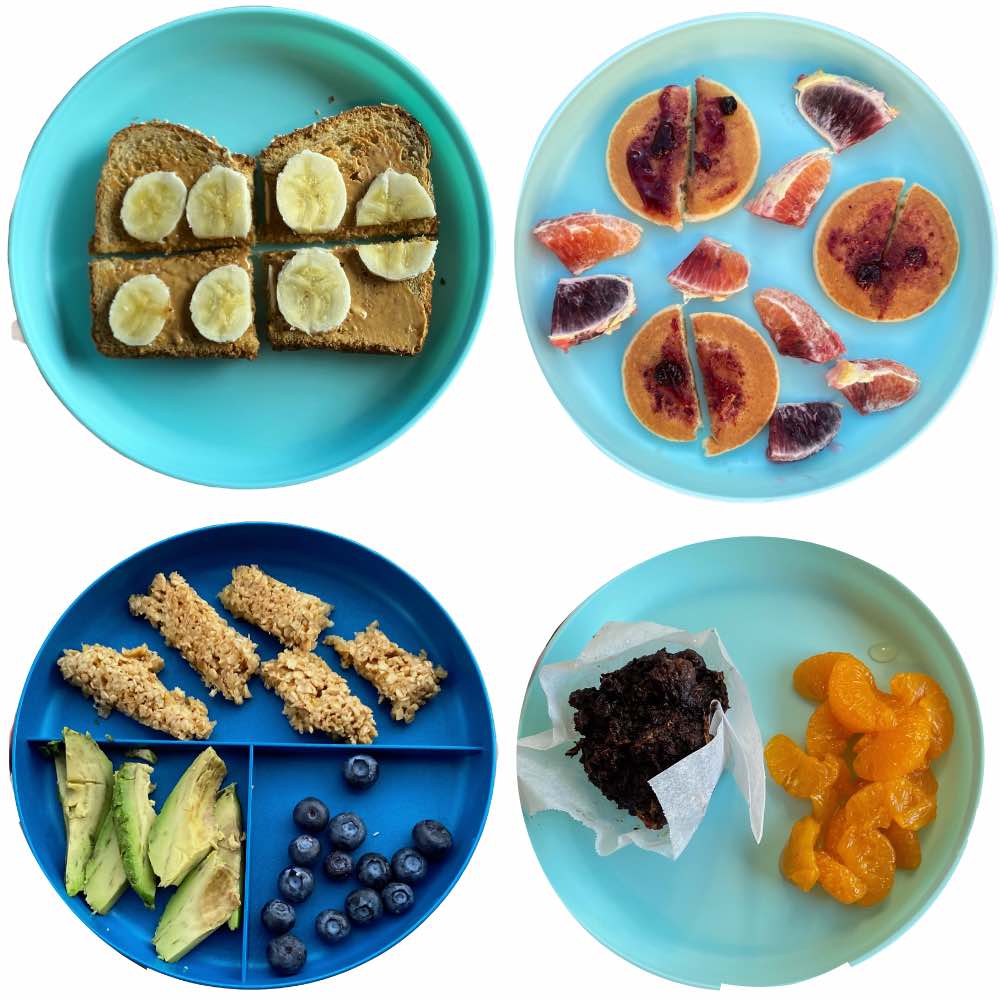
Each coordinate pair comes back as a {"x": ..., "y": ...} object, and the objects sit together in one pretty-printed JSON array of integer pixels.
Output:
[
  {"x": 127, "y": 681},
  {"x": 407, "y": 680},
  {"x": 317, "y": 698},
  {"x": 225, "y": 659},
  {"x": 293, "y": 617}
]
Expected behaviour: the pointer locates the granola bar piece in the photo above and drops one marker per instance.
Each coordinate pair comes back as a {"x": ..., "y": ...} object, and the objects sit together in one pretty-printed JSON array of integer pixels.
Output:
[
  {"x": 293, "y": 617},
  {"x": 127, "y": 681},
  {"x": 408, "y": 680},
  {"x": 225, "y": 659},
  {"x": 317, "y": 698}
]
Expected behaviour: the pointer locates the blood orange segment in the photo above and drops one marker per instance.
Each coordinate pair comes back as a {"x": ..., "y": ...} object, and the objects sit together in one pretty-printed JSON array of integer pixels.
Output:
[
  {"x": 798, "y": 859},
  {"x": 854, "y": 699},
  {"x": 796, "y": 771},
  {"x": 874, "y": 384},
  {"x": 838, "y": 880},
  {"x": 789, "y": 195},
  {"x": 583, "y": 239},
  {"x": 712, "y": 270},
  {"x": 844, "y": 111},
  {"x": 919, "y": 689},
  {"x": 895, "y": 752},
  {"x": 798, "y": 331}
]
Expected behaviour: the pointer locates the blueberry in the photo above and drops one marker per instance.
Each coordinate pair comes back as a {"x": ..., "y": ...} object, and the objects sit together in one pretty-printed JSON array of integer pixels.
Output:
[
  {"x": 304, "y": 849},
  {"x": 728, "y": 105},
  {"x": 338, "y": 865},
  {"x": 311, "y": 815},
  {"x": 347, "y": 831},
  {"x": 373, "y": 870},
  {"x": 332, "y": 926},
  {"x": 432, "y": 839},
  {"x": 361, "y": 771},
  {"x": 295, "y": 884},
  {"x": 363, "y": 906},
  {"x": 278, "y": 916},
  {"x": 397, "y": 897},
  {"x": 287, "y": 954},
  {"x": 408, "y": 865}
]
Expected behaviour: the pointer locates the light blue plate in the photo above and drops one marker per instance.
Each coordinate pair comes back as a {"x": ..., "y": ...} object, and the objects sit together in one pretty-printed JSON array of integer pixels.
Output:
[
  {"x": 760, "y": 56},
  {"x": 722, "y": 913},
  {"x": 242, "y": 75}
]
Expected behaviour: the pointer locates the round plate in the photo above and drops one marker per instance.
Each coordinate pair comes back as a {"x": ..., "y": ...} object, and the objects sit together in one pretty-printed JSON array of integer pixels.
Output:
[
  {"x": 760, "y": 56},
  {"x": 722, "y": 913},
  {"x": 439, "y": 766},
  {"x": 242, "y": 75}
]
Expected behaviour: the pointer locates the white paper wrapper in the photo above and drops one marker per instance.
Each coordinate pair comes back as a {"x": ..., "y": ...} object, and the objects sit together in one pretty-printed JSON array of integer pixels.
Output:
[{"x": 550, "y": 780}]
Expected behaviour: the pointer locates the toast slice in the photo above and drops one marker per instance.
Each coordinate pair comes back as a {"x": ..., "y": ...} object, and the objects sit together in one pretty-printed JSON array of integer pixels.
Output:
[
  {"x": 364, "y": 141},
  {"x": 151, "y": 146},
  {"x": 179, "y": 337},
  {"x": 385, "y": 317}
]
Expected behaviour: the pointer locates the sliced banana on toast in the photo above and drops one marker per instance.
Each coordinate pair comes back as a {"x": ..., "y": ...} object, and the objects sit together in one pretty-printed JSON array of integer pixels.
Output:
[
  {"x": 394, "y": 197},
  {"x": 222, "y": 304},
  {"x": 139, "y": 310},
  {"x": 310, "y": 193},
  {"x": 313, "y": 292},
  {"x": 398, "y": 261},
  {"x": 219, "y": 204},
  {"x": 153, "y": 206}
]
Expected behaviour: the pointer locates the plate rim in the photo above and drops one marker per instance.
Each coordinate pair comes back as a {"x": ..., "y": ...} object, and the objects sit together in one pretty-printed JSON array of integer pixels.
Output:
[
  {"x": 805, "y": 489},
  {"x": 904, "y": 592},
  {"x": 477, "y": 183},
  {"x": 18, "y": 745}
]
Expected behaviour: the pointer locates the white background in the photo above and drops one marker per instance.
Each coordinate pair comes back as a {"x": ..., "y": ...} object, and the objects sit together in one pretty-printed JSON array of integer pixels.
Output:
[{"x": 522, "y": 517}]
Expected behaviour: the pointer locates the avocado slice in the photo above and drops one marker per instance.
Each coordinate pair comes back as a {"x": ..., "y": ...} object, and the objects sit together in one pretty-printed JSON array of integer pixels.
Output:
[
  {"x": 105, "y": 878},
  {"x": 86, "y": 801},
  {"x": 185, "y": 830},
  {"x": 142, "y": 753},
  {"x": 134, "y": 814},
  {"x": 230, "y": 819},
  {"x": 202, "y": 904}
]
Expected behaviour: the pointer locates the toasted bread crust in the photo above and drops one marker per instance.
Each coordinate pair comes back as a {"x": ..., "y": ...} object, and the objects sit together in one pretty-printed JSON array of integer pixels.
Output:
[
  {"x": 364, "y": 141},
  {"x": 179, "y": 337},
  {"x": 147, "y": 147}
]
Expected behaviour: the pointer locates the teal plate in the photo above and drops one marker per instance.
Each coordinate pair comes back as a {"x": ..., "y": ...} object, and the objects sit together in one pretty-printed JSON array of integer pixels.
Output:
[
  {"x": 722, "y": 913},
  {"x": 243, "y": 75},
  {"x": 760, "y": 56}
]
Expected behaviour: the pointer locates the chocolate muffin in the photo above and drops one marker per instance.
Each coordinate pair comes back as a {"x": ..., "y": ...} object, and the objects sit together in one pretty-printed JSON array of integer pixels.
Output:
[{"x": 642, "y": 719}]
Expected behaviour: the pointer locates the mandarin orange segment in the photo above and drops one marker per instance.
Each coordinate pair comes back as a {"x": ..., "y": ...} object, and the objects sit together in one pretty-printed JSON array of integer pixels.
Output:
[
  {"x": 798, "y": 859},
  {"x": 811, "y": 676},
  {"x": 796, "y": 771},
  {"x": 868, "y": 807},
  {"x": 925, "y": 781},
  {"x": 919, "y": 689},
  {"x": 833, "y": 830},
  {"x": 854, "y": 699},
  {"x": 838, "y": 880},
  {"x": 824, "y": 734},
  {"x": 894, "y": 753},
  {"x": 826, "y": 802},
  {"x": 912, "y": 808},
  {"x": 905, "y": 844},
  {"x": 867, "y": 853}
]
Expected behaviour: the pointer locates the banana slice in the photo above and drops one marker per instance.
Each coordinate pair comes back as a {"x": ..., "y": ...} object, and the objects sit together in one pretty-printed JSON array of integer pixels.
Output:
[
  {"x": 394, "y": 197},
  {"x": 153, "y": 205},
  {"x": 310, "y": 193},
  {"x": 139, "y": 310},
  {"x": 222, "y": 304},
  {"x": 398, "y": 261},
  {"x": 219, "y": 204},
  {"x": 313, "y": 292}
]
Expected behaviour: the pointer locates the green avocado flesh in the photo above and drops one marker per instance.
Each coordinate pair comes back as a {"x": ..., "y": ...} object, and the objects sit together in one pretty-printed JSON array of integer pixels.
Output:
[
  {"x": 205, "y": 900},
  {"x": 105, "y": 879},
  {"x": 230, "y": 819},
  {"x": 86, "y": 799},
  {"x": 134, "y": 815},
  {"x": 186, "y": 829}
]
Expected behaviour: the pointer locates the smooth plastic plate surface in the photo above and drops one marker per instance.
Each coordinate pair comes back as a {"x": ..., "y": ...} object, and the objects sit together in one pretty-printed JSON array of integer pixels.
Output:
[
  {"x": 760, "y": 56},
  {"x": 242, "y": 75},
  {"x": 722, "y": 913},
  {"x": 441, "y": 766}
]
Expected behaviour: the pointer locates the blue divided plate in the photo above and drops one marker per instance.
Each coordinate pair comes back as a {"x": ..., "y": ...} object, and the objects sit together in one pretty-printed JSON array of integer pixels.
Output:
[
  {"x": 722, "y": 913},
  {"x": 760, "y": 56},
  {"x": 441, "y": 766},
  {"x": 242, "y": 75}
]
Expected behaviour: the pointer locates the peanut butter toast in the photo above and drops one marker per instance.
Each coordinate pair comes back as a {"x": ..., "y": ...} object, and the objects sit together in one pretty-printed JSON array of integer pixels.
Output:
[
  {"x": 127, "y": 681},
  {"x": 293, "y": 617},
  {"x": 225, "y": 659},
  {"x": 317, "y": 698},
  {"x": 408, "y": 680}
]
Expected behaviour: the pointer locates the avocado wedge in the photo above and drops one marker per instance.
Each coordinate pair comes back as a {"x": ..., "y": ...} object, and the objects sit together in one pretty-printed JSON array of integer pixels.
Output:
[
  {"x": 203, "y": 903},
  {"x": 133, "y": 815},
  {"x": 105, "y": 878},
  {"x": 230, "y": 819},
  {"x": 86, "y": 800},
  {"x": 186, "y": 830}
]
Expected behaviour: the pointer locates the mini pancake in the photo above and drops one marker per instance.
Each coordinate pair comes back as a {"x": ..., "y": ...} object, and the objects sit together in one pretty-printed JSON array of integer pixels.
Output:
[
  {"x": 658, "y": 379},
  {"x": 740, "y": 379},
  {"x": 726, "y": 152},
  {"x": 647, "y": 158}
]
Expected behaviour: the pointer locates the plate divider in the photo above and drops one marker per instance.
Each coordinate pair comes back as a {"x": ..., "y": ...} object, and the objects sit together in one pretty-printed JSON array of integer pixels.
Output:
[
  {"x": 247, "y": 861},
  {"x": 374, "y": 748}
]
